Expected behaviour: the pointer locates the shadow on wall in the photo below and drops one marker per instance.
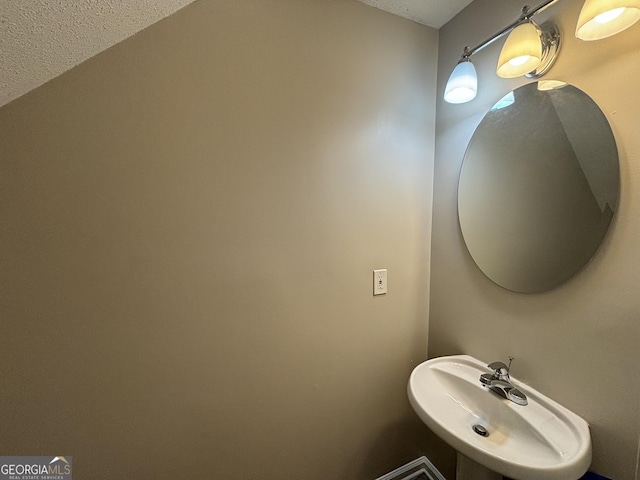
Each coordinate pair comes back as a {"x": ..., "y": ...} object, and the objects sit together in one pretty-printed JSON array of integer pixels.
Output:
[{"x": 402, "y": 437}]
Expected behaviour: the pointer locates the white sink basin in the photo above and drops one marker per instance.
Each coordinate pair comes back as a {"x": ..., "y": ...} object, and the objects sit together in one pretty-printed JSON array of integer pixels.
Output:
[{"x": 539, "y": 441}]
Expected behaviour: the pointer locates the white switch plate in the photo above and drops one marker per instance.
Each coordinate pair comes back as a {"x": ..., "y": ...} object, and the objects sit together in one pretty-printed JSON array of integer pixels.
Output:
[{"x": 380, "y": 282}]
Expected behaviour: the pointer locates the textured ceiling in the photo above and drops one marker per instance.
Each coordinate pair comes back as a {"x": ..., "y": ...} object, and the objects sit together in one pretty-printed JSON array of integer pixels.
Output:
[
  {"x": 434, "y": 13},
  {"x": 40, "y": 39}
]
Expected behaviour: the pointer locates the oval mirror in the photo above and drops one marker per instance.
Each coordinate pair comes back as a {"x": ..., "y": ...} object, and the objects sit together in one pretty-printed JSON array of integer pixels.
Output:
[{"x": 538, "y": 187}]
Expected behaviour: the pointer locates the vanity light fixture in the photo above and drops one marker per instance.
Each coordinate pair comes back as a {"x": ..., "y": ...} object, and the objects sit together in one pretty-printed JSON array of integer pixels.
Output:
[
  {"x": 529, "y": 50},
  {"x": 604, "y": 18}
]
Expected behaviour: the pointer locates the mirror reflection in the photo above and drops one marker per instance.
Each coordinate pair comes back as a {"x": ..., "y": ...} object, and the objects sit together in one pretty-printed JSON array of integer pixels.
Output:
[{"x": 539, "y": 186}]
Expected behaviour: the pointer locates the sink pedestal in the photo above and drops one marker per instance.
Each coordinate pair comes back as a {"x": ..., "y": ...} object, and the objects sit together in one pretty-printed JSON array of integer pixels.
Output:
[{"x": 467, "y": 469}]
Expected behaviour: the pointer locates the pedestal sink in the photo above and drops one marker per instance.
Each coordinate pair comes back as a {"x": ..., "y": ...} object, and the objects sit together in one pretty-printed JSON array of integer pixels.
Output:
[{"x": 539, "y": 441}]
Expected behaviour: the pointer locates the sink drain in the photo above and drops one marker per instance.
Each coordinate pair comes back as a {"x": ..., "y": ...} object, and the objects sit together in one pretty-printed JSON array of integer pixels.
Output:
[{"x": 480, "y": 430}]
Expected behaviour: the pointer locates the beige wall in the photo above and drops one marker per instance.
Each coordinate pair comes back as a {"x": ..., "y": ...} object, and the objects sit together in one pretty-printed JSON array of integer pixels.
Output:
[
  {"x": 578, "y": 343},
  {"x": 190, "y": 221}
]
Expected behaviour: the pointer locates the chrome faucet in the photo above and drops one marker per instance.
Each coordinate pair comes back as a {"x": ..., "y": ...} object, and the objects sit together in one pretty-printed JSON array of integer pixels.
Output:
[{"x": 498, "y": 381}]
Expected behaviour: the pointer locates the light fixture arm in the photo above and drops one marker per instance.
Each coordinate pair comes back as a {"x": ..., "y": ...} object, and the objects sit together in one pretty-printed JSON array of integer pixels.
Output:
[{"x": 525, "y": 16}]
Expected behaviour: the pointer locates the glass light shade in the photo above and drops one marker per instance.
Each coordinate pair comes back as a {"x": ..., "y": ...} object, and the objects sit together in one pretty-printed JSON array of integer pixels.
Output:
[
  {"x": 522, "y": 52},
  {"x": 603, "y": 18},
  {"x": 463, "y": 83}
]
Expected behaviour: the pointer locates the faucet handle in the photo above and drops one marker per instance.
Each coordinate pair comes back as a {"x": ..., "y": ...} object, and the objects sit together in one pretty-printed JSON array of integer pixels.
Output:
[
  {"x": 498, "y": 366},
  {"x": 500, "y": 369}
]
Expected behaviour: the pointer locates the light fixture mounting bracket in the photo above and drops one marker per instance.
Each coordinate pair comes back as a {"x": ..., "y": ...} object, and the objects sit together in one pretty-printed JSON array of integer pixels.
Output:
[{"x": 550, "y": 39}]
